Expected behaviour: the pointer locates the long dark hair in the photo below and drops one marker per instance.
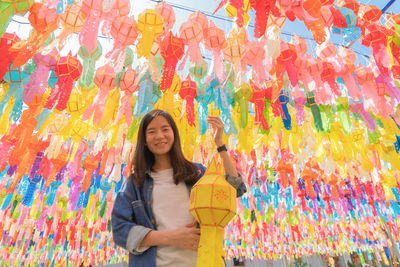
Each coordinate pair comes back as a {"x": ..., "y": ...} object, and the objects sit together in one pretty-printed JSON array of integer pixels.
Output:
[{"x": 143, "y": 159}]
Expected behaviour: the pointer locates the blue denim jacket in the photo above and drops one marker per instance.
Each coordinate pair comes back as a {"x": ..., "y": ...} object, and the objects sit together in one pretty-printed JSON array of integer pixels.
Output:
[{"x": 132, "y": 207}]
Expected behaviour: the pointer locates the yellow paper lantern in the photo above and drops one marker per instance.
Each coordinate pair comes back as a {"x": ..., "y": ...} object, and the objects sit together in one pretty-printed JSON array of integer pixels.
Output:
[{"x": 213, "y": 205}]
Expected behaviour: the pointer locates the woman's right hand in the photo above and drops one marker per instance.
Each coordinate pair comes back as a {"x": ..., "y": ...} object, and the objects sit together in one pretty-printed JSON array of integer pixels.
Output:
[{"x": 186, "y": 237}]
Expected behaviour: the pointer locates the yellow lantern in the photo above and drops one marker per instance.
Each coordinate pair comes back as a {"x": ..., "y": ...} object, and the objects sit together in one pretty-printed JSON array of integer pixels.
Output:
[{"x": 213, "y": 205}]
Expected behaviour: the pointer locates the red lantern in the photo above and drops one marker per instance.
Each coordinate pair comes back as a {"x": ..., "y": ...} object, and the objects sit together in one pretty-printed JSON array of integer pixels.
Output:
[
  {"x": 6, "y": 41},
  {"x": 188, "y": 93},
  {"x": 376, "y": 38},
  {"x": 172, "y": 49},
  {"x": 258, "y": 98},
  {"x": 286, "y": 58},
  {"x": 68, "y": 70}
]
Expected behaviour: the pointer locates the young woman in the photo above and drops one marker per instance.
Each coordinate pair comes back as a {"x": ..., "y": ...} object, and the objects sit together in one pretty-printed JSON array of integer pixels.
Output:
[{"x": 151, "y": 217}]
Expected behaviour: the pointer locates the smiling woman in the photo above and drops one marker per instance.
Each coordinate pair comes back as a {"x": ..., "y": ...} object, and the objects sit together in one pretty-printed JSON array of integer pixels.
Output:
[{"x": 151, "y": 218}]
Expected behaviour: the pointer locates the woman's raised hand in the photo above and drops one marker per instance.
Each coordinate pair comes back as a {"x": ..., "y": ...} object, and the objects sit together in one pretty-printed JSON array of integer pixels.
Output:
[{"x": 218, "y": 128}]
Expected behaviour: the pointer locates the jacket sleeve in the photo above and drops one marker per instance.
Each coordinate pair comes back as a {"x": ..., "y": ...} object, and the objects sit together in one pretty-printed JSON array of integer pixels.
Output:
[
  {"x": 237, "y": 183},
  {"x": 126, "y": 233}
]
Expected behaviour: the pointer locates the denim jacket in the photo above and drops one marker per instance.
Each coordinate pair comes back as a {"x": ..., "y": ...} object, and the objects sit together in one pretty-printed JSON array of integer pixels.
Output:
[{"x": 133, "y": 207}]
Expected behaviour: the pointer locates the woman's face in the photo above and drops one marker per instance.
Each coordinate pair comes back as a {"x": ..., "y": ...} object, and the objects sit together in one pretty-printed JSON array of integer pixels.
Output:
[{"x": 159, "y": 136}]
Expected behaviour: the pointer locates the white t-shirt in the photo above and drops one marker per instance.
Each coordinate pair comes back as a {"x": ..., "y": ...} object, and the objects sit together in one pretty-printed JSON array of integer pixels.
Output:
[{"x": 171, "y": 210}]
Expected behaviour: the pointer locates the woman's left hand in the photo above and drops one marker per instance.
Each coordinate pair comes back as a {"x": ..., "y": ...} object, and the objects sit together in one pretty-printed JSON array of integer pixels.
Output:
[{"x": 218, "y": 127}]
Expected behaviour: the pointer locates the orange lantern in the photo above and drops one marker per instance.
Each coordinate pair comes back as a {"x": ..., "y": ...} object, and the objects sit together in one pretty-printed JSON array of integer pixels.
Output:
[
  {"x": 150, "y": 24},
  {"x": 72, "y": 21},
  {"x": 43, "y": 23},
  {"x": 213, "y": 205},
  {"x": 235, "y": 48}
]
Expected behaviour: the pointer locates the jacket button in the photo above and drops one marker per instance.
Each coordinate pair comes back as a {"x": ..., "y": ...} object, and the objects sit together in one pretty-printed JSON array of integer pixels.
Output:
[
  {"x": 152, "y": 221},
  {"x": 151, "y": 186},
  {"x": 148, "y": 203}
]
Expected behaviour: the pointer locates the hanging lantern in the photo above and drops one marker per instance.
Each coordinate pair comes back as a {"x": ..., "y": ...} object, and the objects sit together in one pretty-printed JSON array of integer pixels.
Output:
[
  {"x": 172, "y": 49},
  {"x": 201, "y": 19},
  {"x": 213, "y": 205},
  {"x": 214, "y": 40},
  {"x": 104, "y": 79},
  {"x": 258, "y": 98},
  {"x": 6, "y": 41},
  {"x": 9, "y": 8},
  {"x": 188, "y": 92},
  {"x": 129, "y": 85},
  {"x": 198, "y": 72},
  {"x": 192, "y": 34},
  {"x": 286, "y": 58},
  {"x": 72, "y": 21},
  {"x": 88, "y": 65},
  {"x": 254, "y": 56},
  {"x": 68, "y": 70},
  {"x": 124, "y": 31},
  {"x": 37, "y": 83},
  {"x": 235, "y": 49},
  {"x": 243, "y": 96},
  {"x": 43, "y": 23},
  {"x": 16, "y": 77},
  {"x": 150, "y": 24},
  {"x": 167, "y": 12}
]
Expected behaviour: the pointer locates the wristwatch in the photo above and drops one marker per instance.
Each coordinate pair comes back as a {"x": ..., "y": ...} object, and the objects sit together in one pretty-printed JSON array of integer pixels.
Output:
[{"x": 222, "y": 148}]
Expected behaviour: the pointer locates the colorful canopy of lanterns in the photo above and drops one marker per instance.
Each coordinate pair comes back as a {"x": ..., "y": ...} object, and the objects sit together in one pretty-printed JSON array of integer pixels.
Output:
[{"x": 315, "y": 134}]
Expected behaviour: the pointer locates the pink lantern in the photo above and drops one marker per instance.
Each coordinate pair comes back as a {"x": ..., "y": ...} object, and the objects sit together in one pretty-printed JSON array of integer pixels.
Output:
[
  {"x": 95, "y": 11},
  {"x": 37, "y": 83},
  {"x": 104, "y": 80},
  {"x": 374, "y": 96},
  {"x": 254, "y": 56},
  {"x": 124, "y": 31},
  {"x": 192, "y": 34},
  {"x": 214, "y": 40},
  {"x": 201, "y": 19},
  {"x": 166, "y": 11},
  {"x": 129, "y": 85}
]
